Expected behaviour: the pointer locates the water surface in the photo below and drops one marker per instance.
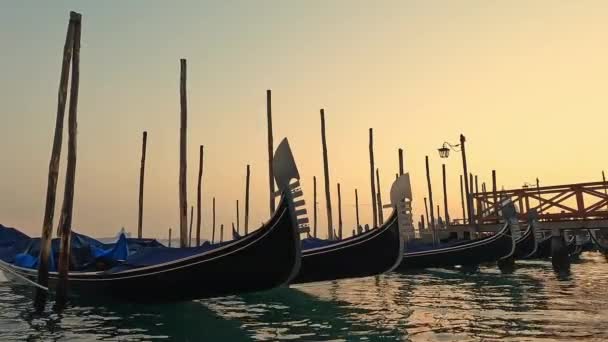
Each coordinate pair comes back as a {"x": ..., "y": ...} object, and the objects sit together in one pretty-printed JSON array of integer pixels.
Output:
[{"x": 532, "y": 304}]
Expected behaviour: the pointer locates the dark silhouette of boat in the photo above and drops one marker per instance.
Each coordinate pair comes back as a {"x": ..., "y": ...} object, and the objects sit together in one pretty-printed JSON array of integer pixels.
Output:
[
  {"x": 464, "y": 253},
  {"x": 264, "y": 259},
  {"x": 373, "y": 252},
  {"x": 526, "y": 245}
]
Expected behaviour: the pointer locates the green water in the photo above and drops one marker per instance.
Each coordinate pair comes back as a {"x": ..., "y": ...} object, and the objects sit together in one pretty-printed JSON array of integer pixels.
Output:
[{"x": 532, "y": 304}]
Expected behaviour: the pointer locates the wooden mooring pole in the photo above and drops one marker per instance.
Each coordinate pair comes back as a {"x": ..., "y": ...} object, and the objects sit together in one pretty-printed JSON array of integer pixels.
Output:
[
  {"x": 70, "y": 176},
  {"x": 428, "y": 181},
  {"x": 199, "y": 217},
  {"x": 221, "y": 233},
  {"x": 400, "y": 161},
  {"x": 141, "y": 185},
  {"x": 339, "y": 213},
  {"x": 314, "y": 203},
  {"x": 380, "y": 213},
  {"x": 426, "y": 211},
  {"x": 247, "y": 200},
  {"x": 495, "y": 195},
  {"x": 445, "y": 196},
  {"x": 605, "y": 191},
  {"x": 169, "y": 237},
  {"x": 270, "y": 150},
  {"x": 190, "y": 229},
  {"x": 183, "y": 197},
  {"x": 471, "y": 203},
  {"x": 213, "y": 222},
  {"x": 464, "y": 215},
  {"x": 238, "y": 228},
  {"x": 357, "y": 208},
  {"x": 371, "y": 172},
  {"x": 49, "y": 211},
  {"x": 330, "y": 230}
]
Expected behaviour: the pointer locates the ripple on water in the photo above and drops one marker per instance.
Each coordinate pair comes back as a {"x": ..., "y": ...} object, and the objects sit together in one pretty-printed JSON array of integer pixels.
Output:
[{"x": 531, "y": 304}]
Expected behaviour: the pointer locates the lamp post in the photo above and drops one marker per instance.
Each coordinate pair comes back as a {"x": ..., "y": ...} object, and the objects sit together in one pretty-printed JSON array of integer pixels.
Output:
[{"x": 444, "y": 152}]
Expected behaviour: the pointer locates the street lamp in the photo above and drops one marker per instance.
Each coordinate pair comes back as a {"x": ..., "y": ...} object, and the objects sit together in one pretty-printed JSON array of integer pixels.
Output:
[{"x": 444, "y": 152}]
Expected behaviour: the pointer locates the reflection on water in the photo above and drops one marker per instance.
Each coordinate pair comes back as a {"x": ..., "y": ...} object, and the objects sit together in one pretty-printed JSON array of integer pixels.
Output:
[{"x": 532, "y": 304}]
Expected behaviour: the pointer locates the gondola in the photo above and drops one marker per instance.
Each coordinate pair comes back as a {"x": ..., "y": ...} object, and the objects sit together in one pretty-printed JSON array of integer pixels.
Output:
[
  {"x": 264, "y": 259},
  {"x": 488, "y": 249},
  {"x": 526, "y": 245},
  {"x": 373, "y": 252},
  {"x": 544, "y": 248}
]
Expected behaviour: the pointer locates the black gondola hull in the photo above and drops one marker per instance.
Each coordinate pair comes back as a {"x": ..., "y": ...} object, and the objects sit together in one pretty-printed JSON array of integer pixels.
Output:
[
  {"x": 489, "y": 249},
  {"x": 374, "y": 252},
  {"x": 526, "y": 245},
  {"x": 264, "y": 259}
]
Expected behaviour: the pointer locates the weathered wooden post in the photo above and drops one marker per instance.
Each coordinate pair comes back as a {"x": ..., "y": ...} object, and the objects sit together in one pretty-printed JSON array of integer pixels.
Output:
[
  {"x": 540, "y": 204},
  {"x": 371, "y": 172},
  {"x": 183, "y": 197},
  {"x": 47, "y": 226},
  {"x": 426, "y": 211},
  {"x": 314, "y": 203},
  {"x": 357, "y": 208},
  {"x": 238, "y": 230},
  {"x": 605, "y": 190},
  {"x": 213, "y": 222},
  {"x": 199, "y": 217},
  {"x": 438, "y": 217},
  {"x": 330, "y": 230},
  {"x": 169, "y": 237},
  {"x": 141, "y": 185},
  {"x": 190, "y": 230},
  {"x": 221, "y": 233},
  {"x": 476, "y": 185},
  {"x": 445, "y": 197},
  {"x": 270, "y": 150},
  {"x": 466, "y": 182},
  {"x": 428, "y": 181},
  {"x": 339, "y": 213},
  {"x": 495, "y": 195},
  {"x": 471, "y": 204},
  {"x": 247, "y": 200},
  {"x": 70, "y": 177},
  {"x": 464, "y": 216},
  {"x": 380, "y": 213},
  {"x": 400, "y": 161}
]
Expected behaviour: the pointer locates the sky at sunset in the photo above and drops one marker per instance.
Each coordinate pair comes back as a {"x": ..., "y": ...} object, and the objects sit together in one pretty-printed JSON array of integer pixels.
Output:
[{"x": 525, "y": 81}]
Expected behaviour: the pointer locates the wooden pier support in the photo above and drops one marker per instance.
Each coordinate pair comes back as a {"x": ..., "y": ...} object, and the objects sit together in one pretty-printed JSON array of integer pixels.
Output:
[
  {"x": 247, "y": 199},
  {"x": 380, "y": 212},
  {"x": 559, "y": 253},
  {"x": 339, "y": 213},
  {"x": 141, "y": 186},
  {"x": 330, "y": 230},
  {"x": 198, "y": 196},
  {"x": 495, "y": 195},
  {"x": 270, "y": 150},
  {"x": 70, "y": 177},
  {"x": 49, "y": 211},
  {"x": 314, "y": 203},
  {"x": 371, "y": 172},
  {"x": 466, "y": 182},
  {"x": 169, "y": 237},
  {"x": 471, "y": 204},
  {"x": 221, "y": 233},
  {"x": 183, "y": 195}
]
